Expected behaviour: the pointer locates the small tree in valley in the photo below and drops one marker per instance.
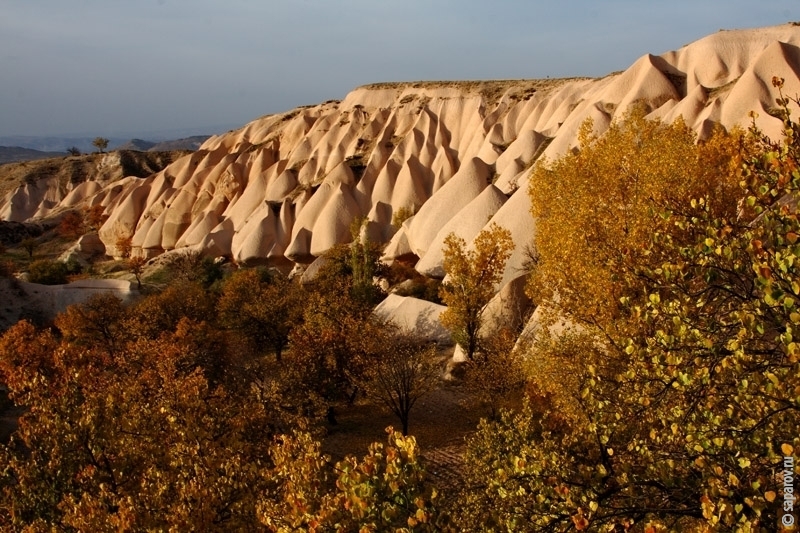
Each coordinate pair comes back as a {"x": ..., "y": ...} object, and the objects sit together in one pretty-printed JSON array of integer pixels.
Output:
[
  {"x": 29, "y": 244},
  {"x": 470, "y": 282},
  {"x": 402, "y": 375},
  {"x": 136, "y": 267}
]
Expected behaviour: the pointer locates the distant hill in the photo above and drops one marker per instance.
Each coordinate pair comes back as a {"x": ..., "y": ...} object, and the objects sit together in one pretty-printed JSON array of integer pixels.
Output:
[
  {"x": 189, "y": 143},
  {"x": 55, "y": 144},
  {"x": 182, "y": 140},
  {"x": 13, "y": 154},
  {"x": 136, "y": 144}
]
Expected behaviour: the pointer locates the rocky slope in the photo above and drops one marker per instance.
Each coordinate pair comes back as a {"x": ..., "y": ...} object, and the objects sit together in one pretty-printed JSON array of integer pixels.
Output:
[
  {"x": 38, "y": 189},
  {"x": 457, "y": 154}
]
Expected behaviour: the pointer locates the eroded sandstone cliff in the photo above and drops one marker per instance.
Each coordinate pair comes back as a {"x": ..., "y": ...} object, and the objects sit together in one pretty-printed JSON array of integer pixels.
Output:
[{"x": 456, "y": 154}]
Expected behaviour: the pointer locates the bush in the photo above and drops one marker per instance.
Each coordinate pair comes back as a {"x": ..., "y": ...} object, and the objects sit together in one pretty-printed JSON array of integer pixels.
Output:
[
  {"x": 48, "y": 272},
  {"x": 194, "y": 267}
]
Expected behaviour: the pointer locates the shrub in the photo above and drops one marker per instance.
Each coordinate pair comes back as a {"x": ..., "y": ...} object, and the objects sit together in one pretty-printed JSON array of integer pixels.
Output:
[
  {"x": 71, "y": 226},
  {"x": 401, "y": 215},
  {"x": 48, "y": 272}
]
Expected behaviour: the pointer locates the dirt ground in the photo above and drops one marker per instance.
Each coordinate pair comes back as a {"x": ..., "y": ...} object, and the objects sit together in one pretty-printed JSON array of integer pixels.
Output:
[{"x": 440, "y": 421}]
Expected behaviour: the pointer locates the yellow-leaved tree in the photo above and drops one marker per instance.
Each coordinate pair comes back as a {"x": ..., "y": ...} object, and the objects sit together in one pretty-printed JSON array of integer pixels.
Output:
[
  {"x": 472, "y": 275},
  {"x": 687, "y": 427}
]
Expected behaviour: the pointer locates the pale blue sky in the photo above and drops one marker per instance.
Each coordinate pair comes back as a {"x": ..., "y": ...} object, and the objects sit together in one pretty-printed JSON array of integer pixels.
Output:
[{"x": 118, "y": 67}]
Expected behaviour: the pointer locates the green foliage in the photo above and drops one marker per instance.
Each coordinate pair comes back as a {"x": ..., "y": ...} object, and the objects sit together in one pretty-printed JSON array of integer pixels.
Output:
[
  {"x": 48, "y": 272},
  {"x": 401, "y": 215},
  {"x": 356, "y": 265},
  {"x": 470, "y": 283},
  {"x": 29, "y": 244}
]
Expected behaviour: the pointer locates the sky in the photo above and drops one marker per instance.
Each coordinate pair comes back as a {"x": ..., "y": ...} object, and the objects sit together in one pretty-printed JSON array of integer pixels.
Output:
[{"x": 125, "y": 68}]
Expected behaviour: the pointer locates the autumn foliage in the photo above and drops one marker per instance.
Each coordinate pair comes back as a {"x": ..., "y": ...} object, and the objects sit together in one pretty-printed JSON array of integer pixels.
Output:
[
  {"x": 685, "y": 367},
  {"x": 472, "y": 275},
  {"x": 174, "y": 414},
  {"x": 664, "y": 395}
]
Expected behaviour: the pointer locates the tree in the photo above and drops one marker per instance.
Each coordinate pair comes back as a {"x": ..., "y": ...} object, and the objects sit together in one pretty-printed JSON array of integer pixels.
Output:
[
  {"x": 101, "y": 143},
  {"x": 262, "y": 307},
  {"x": 136, "y": 267},
  {"x": 162, "y": 311},
  {"x": 29, "y": 244},
  {"x": 403, "y": 373},
  {"x": 470, "y": 282},
  {"x": 124, "y": 246},
  {"x": 497, "y": 374},
  {"x": 137, "y": 439},
  {"x": 98, "y": 322},
  {"x": 95, "y": 216},
  {"x": 71, "y": 225},
  {"x": 333, "y": 346},
  {"x": 358, "y": 263},
  {"x": 594, "y": 209},
  {"x": 194, "y": 267},
  {"x": 74, "y": 151},
  {"x": 386, "y": 490},
  {"x": 686, "y": 429},
  {"x": 48, "y": 272}
]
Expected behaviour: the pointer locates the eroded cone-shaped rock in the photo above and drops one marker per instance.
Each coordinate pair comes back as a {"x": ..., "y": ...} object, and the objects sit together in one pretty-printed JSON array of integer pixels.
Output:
[
  {"x": 410, "y": 145},
  {"x": 454, "y": 195},
  {"x": 255, "y": 240},
  {"x": 510, "y": 308},
  {"x": 466, "y": 224},
  {"x": 415, "y": 317}
]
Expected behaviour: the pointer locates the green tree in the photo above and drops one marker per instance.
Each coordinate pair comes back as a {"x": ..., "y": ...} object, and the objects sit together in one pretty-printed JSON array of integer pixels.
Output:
[
  {"x": 29, "y": 244},
  {"x": 470, "y": 282},
  {"x": 48, "y": 272}
]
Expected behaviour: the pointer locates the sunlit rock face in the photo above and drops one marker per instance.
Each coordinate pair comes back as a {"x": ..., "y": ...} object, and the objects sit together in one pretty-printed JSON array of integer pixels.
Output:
[{"x": 457, "y": 154}]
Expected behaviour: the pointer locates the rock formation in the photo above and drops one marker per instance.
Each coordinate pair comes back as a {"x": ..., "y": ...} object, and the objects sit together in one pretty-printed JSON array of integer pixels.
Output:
[{"x": 457, "y": 154}]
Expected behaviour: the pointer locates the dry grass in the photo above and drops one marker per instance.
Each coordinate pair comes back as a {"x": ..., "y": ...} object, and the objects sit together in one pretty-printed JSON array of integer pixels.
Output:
[{"x": 490, "y": 90}]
